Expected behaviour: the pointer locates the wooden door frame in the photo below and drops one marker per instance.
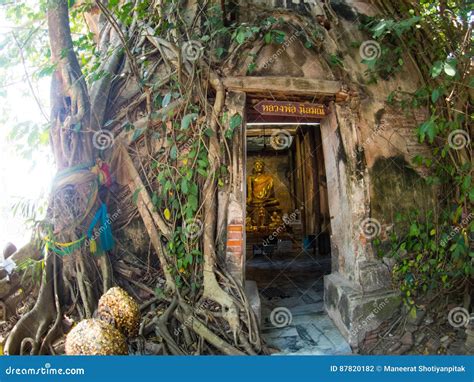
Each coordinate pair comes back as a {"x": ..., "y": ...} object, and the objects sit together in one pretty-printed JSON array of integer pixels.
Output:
[{"x": 238, "y": 90}]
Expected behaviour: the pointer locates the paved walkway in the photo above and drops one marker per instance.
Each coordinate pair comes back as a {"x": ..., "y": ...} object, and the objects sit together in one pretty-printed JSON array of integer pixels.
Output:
[{"x": 293, "y": 316}]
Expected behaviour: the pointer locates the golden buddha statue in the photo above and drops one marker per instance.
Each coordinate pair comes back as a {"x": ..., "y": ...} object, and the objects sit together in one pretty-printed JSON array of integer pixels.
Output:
[
  {"x": 276, "y": 221},
  {"x": 263, "y": 207}
]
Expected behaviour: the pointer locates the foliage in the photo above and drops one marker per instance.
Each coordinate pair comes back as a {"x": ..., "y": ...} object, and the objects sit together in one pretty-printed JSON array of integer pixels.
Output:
[
  {"x": 435, "y": 255},
  {"x": 32, "y": 272},
  {"x": 432, "y": 256},
  {"x": 388, "y": 32}
]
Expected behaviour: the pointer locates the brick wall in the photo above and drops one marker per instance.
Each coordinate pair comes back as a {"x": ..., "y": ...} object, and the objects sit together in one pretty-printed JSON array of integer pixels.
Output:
[{"x": 235, "y": 250}]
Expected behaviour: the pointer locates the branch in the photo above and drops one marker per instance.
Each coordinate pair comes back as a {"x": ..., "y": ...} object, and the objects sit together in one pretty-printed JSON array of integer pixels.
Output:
[
  {"x": 28, "y": 80},
  {"x": 119, "y": 31}
]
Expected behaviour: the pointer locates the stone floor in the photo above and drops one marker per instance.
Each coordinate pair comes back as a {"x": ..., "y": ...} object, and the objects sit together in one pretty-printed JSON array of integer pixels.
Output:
[{"x": 291, "y": 293}]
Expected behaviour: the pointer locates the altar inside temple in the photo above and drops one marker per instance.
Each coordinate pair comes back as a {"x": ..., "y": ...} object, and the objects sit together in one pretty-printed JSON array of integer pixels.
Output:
[{"x": 286, "y": 201}]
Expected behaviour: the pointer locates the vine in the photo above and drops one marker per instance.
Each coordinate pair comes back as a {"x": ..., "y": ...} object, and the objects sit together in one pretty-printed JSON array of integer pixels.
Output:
[{"x": 433, "y": 250}]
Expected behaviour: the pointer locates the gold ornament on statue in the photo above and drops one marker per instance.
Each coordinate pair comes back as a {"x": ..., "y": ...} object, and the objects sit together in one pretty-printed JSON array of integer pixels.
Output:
[
  {"x": 263, "y": 208},
  {"x": 276, "y": 220}
]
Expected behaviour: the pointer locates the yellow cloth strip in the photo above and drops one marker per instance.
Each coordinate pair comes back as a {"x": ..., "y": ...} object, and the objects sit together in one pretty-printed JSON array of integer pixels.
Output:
[{"x": 64, "y": 244}]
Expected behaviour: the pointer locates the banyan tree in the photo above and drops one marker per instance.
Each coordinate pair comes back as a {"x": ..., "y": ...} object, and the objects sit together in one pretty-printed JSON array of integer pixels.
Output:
[{"x": 146, "y": 130}]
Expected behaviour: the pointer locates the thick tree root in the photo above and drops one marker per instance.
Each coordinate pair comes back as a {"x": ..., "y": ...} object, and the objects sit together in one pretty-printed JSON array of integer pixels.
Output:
[{"x": 34, "y": 324}]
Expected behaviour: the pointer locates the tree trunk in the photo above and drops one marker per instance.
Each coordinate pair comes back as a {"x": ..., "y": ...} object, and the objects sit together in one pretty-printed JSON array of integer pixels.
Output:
[{"x": 205, "y": 309}]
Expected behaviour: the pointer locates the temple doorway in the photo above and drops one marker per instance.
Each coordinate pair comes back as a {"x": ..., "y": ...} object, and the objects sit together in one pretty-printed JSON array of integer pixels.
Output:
[{"x": 288, "y": 231}]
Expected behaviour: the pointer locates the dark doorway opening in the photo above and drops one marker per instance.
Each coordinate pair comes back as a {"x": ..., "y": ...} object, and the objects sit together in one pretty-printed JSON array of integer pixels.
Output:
[{"x": 287, "y": 235}]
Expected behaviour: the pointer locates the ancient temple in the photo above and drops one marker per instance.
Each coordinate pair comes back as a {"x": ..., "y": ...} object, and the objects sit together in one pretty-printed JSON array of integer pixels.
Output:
[{"x": 321, "y": 160}]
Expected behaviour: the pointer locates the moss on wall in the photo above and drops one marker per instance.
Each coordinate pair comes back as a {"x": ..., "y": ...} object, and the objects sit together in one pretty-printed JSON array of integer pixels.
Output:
[{"x": 397, "y": 188}]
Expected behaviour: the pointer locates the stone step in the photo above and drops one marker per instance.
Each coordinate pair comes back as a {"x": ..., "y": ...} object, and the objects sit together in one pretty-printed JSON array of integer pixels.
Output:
[{"x": 307, "y": 335}]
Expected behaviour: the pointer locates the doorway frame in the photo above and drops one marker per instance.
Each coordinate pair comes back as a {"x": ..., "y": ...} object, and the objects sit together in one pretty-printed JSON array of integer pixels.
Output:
[
  {"x": 358, "y": 281},
  {"x": 238, "y": 89}
]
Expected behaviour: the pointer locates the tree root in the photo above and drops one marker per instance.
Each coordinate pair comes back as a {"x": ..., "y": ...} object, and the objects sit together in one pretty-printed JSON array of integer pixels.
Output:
[
  {"x": 212, "y": 289},
  {"x": 56, "y": 329},
  {"x": 34, "y": 323},
  {"x": 200, "y": 329}
]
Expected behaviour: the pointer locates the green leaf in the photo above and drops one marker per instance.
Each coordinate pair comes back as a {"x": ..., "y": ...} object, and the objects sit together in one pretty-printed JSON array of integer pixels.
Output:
[
  {"x": 137, "y": 134},
  {"x": 220, "y": 52},
  {"x": 427, "y": 128},
  {"x": 435, "y": 94},
  {"x": 267, "y": 38},
  {"x": 450, "y": 68},
  {"x": 279, "y": 36},
  {"x": 135, "y": 195},
  {"x": 466, "y": 183},
  {"x": 193, "y": 202},
  {"x": 235, "y": 121},
  {"x": 436, "y": 69},
  {"x": 189, "y": 258},
  {"x": 173, "y": 152},
  {"x": 203, "y": 162},
  {"x": 241, "y": 36},
  {"x": 155, "y": 199},
  {"x": 166, "y": 100},
  {"x": 184, "y": 186},
  {"x": 414, "y": 230},
  {"x": 380, "y": 28},
  {"x": 251, "y": 67},
  {"x": 187, "y": 119}
]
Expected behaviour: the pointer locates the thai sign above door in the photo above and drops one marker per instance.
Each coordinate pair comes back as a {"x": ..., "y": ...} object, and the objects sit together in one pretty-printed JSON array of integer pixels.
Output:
[{"x": 291, "y": 109}]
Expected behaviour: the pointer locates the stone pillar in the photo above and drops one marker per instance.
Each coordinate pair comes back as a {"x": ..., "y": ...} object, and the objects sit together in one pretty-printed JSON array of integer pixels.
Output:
[
  {"x": 235, "y": 196},
  {"x": 357, "y": 293}
]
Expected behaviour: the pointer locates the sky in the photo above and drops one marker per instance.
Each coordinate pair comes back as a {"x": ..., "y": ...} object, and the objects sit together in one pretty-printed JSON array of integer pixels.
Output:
[{"x": 20, "y": 178}]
